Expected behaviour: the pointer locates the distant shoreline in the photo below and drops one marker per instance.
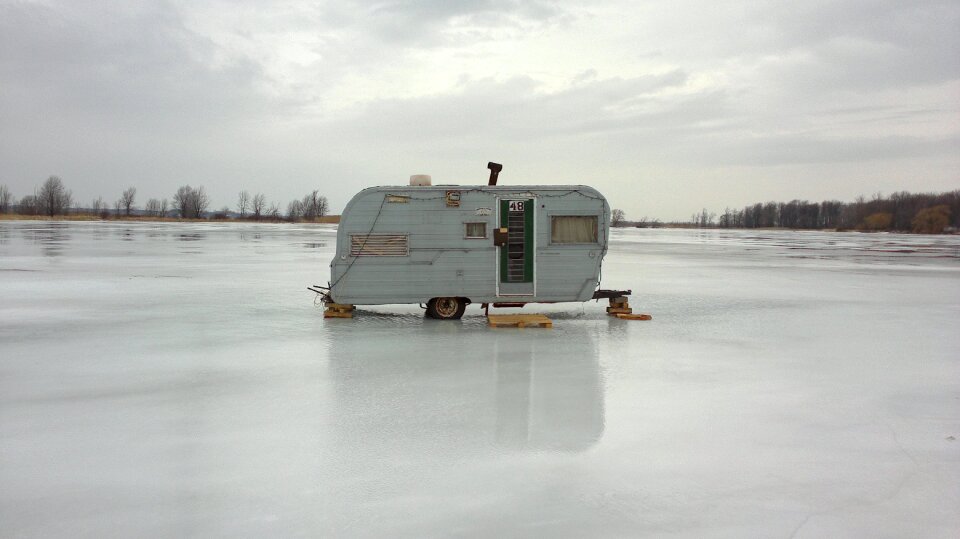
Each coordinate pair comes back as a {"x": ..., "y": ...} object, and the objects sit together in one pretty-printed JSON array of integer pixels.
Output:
[
  {"x": 775, "y": 229},
  {"x": 335, "y": 219},
  {"x": 328, "y": 219}
]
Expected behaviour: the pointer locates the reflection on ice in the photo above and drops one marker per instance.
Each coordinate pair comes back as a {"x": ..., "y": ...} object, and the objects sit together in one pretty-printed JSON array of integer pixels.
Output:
[
  {"x": 52, "y": 237},
  {"x": 847, "y": 246},
  {"x": 549, "y": 393},
  {"x": 441, "y": 383}
]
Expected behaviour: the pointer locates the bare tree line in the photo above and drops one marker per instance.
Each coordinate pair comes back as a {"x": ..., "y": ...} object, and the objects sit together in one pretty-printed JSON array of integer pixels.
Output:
[
  {"x": 900, "y": 212},
  {"x": 52, "y": 199},
  {"x": 126, "y": 200},
  {"x": 311, "y": 207},
  {"x": 190, "y": 203},
  {"x": 927, "y": 213}
]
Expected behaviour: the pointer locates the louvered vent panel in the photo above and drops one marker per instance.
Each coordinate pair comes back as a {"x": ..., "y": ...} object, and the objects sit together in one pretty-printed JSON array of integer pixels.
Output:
[{"x": 378, "y": 245}]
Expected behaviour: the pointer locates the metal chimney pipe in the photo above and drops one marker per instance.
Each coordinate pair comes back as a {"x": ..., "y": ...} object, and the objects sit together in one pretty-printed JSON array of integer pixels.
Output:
[{"x": 495, "y": 169}]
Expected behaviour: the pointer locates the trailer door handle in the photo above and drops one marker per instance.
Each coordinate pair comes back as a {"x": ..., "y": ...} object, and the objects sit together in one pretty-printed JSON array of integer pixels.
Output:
[{"x": 500, "y": 237}]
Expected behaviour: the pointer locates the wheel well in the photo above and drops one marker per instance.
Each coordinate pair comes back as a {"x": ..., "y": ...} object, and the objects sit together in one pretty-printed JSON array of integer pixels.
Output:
[{"x": 423, "y": 304}]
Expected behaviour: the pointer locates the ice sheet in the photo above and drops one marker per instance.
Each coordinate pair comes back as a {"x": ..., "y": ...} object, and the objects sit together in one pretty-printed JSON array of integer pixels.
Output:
[{"x": 178, "y": 380}]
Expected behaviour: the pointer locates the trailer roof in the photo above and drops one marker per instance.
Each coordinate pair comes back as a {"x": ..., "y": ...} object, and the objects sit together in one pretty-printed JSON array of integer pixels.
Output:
[
  {"x": 555, "y": 191},
  {"x": 484, "y": 187}
]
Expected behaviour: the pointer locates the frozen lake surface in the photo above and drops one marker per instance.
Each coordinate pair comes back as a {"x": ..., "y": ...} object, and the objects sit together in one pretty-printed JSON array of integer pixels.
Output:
[{"x": 166, "y": 380}]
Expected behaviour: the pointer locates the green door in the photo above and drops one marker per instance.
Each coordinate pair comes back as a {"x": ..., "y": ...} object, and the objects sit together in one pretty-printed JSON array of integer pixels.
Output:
[{"x": 516, "y": 257}]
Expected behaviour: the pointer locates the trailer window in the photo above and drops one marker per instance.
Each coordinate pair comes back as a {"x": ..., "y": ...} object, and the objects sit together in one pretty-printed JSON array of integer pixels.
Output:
[
  {"x": 573, "y": 229},
  {"x": 378, "y": 245},
  {"x": 476, "y": 230}
]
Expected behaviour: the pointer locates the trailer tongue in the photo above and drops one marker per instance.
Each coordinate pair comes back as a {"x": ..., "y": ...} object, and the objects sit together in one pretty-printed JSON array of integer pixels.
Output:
[{"x": 610, "y": 294}]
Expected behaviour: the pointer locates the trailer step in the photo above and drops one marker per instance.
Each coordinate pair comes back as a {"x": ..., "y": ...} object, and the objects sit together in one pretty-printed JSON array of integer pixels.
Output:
[{"x": 519, "y": 321}]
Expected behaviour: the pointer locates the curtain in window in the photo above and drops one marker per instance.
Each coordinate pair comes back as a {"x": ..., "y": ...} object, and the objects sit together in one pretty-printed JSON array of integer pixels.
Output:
[
  {"x": 476, "y": 230},
  {"x": 573, "y": 229}
]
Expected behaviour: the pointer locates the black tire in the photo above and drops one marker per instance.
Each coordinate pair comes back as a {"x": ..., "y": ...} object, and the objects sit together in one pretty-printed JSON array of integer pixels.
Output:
[{"x": 446, "y": 308}]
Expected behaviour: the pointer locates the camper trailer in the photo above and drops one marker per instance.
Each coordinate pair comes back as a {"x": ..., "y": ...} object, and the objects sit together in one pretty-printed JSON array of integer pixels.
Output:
[{"x": 447, "y": 246}]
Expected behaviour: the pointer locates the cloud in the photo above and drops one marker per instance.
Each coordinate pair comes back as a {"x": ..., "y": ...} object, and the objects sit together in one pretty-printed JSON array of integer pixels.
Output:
[
  {"x": 122, "y": 67},
  {"x": 517, "y": 109},
  {"x": 797, "y": 149},
  {"x": 284, "y": 95},
  {"x": 441, "y": 22}
]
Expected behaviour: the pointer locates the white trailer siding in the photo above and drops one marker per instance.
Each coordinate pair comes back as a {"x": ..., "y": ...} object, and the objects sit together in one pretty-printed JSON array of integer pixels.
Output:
[{"x": 441, "y": 261}]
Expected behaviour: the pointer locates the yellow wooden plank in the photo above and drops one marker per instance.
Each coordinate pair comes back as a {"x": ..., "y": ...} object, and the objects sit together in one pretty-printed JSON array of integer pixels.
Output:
[
  {"x": 519, "y": 321},
  {"x": 624, "y": 316}
]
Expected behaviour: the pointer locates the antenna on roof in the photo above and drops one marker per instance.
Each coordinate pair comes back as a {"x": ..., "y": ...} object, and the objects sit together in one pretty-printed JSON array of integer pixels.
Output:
[{"x": 495, "y": 169}]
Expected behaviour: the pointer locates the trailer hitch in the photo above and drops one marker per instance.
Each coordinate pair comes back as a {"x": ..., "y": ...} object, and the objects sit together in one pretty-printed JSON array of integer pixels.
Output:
[{"x": 608, "y": 294}]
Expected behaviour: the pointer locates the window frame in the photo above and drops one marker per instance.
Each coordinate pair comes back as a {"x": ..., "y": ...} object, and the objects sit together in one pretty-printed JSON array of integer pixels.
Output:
[
  {"x": 597, "y": 229},
  {"x": 466, "y": 234}
]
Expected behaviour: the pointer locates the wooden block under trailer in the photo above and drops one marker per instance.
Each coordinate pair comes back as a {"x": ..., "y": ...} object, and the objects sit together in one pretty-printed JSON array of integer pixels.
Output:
[
  {"x": 338, "y": 310},
  {"x": 625, "y": 316},
  {"x": 519, "y": 321}
]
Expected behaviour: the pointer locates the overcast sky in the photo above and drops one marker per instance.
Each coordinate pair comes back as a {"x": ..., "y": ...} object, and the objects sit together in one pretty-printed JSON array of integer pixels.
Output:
[{"x": 665, "y": 107}]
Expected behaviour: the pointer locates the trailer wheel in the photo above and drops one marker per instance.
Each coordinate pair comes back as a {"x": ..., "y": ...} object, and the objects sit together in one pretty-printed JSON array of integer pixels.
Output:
[{"x": 446, "y": 308}]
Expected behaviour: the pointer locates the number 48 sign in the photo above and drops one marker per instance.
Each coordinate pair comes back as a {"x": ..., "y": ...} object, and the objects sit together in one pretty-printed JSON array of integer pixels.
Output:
[{"x": 516, "y": 205}]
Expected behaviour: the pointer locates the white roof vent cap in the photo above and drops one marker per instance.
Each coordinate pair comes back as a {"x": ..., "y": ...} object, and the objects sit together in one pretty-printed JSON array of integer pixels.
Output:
[{"x": 420, "y": 180}]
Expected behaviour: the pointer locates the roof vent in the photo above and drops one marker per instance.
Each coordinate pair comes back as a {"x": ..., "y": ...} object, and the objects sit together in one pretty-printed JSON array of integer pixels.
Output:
[{"x": 420, "y": 180}]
